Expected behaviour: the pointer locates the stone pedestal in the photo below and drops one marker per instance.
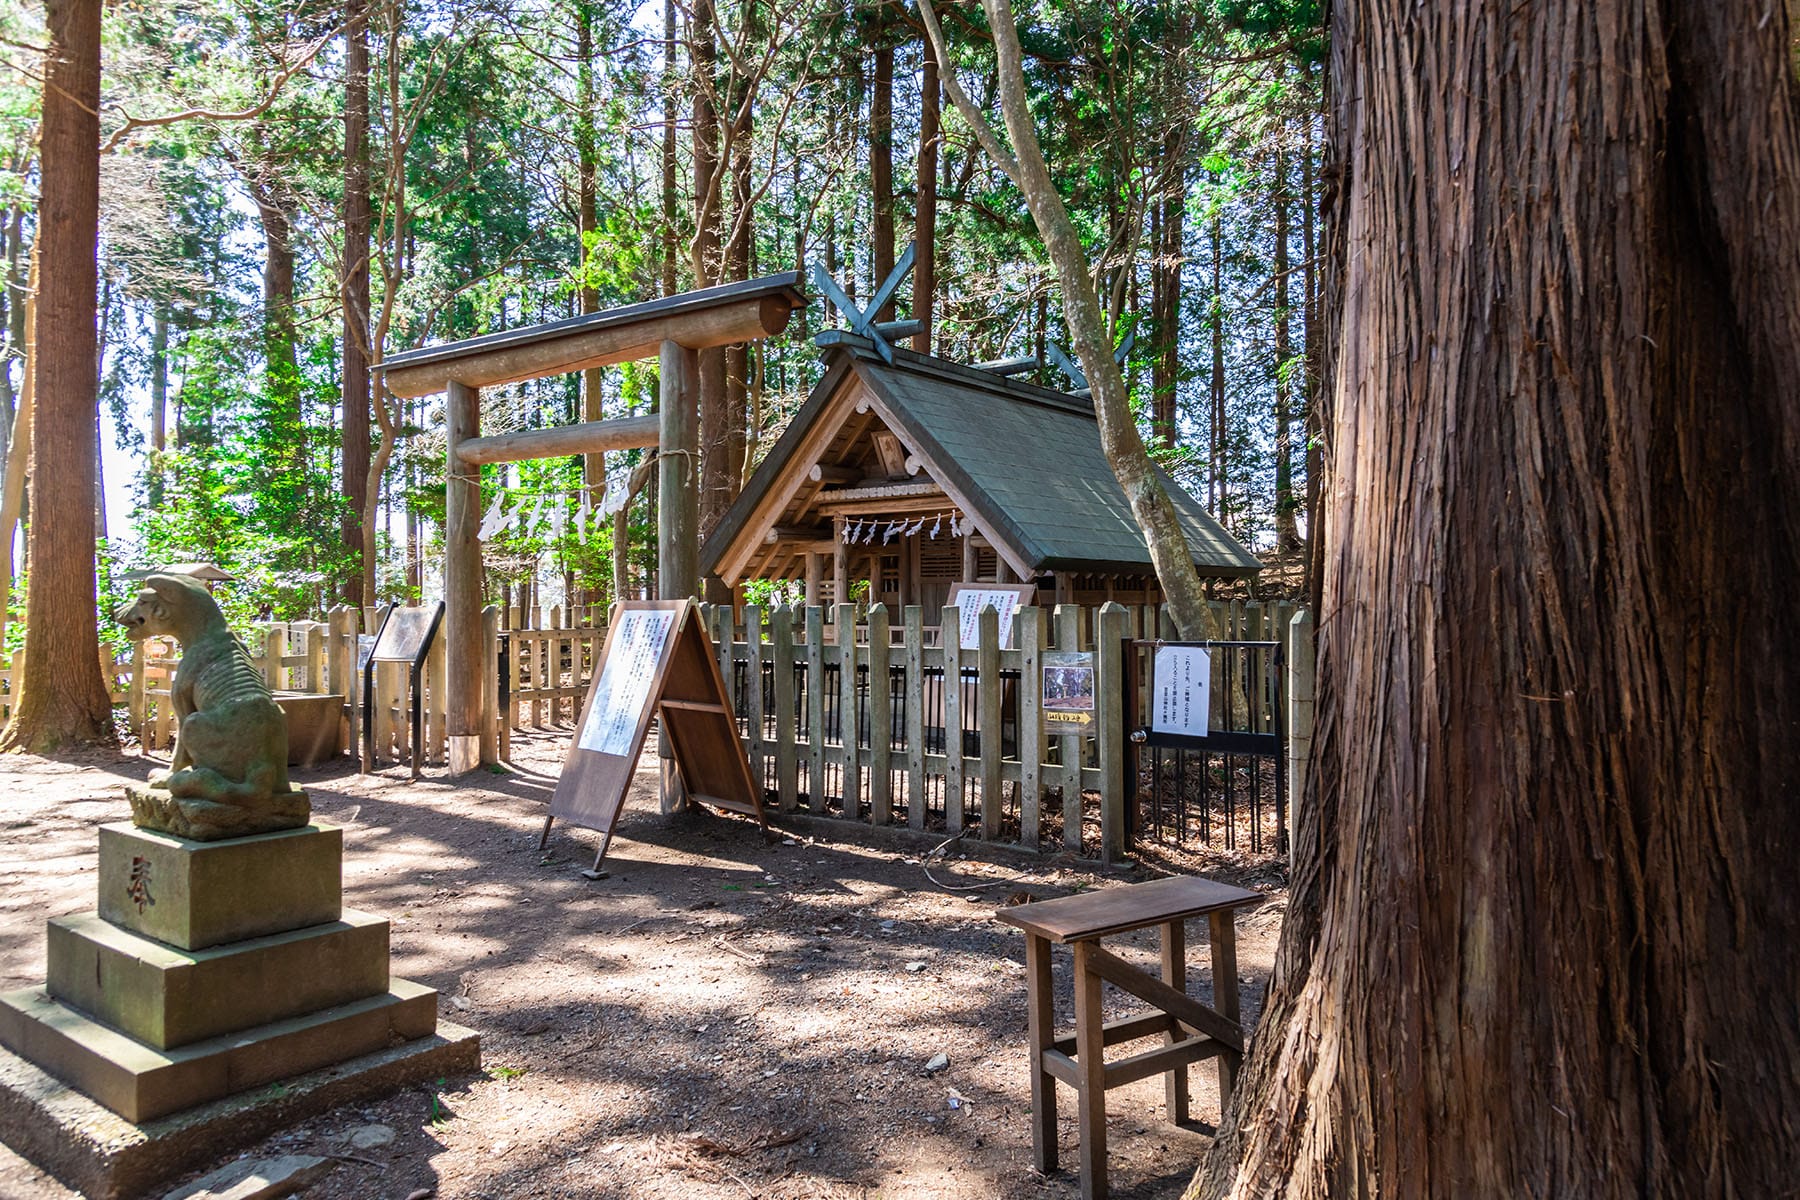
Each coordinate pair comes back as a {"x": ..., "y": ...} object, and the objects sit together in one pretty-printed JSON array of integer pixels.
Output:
[{"x": 212, "y": 968}]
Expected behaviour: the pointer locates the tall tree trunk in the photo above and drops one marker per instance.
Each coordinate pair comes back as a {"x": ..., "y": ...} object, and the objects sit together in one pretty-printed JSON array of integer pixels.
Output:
[
  {"x": 1170, "y": 214},
  {"x": 881, "y": 156},
  {"x": 924, "y": 289},
  {"x": 1120, "y": 441},
  {"x": 63, "y": 699},
  {"x": 1542, "y": 940},
  {"x": 12, "y": 304},
  {"x": 159, "y": 402},
  {"x": 1219, "y": 487},
  {"x": 670, "y": 81},
  {"x": 1287, "y": 528},
  {"x": 18, "y": 447},
  {"x": 733, "y": 449},
  {"x": 1315, "y": 438},
  {"x": 280, "y": 360},
  {"x": 709, "y": 262},
  {"x": 358, "y": 519},
  {"x": 587, "y": 224}
]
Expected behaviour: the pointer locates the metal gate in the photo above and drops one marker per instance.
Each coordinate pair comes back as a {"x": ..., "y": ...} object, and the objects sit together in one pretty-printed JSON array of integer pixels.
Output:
[{"x": 1226, "y": 790}]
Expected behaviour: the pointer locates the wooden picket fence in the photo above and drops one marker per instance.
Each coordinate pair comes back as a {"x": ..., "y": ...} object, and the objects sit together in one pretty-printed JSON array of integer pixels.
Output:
[
  {"x": 967, "y": 759},
  {"x": 550, "y": 659}
]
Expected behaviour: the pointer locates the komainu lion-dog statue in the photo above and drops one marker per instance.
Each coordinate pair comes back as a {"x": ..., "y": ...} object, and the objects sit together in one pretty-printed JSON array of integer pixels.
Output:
[{"x": 228, "y": 776}]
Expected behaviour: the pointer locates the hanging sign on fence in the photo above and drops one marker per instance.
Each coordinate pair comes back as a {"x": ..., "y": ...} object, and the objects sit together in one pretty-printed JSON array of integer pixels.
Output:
[
  {"x": 1068, "y": 692},
  {"x": 1181, "y": 691},
  {"x": 1004, "y": 598},
  {"x": 657, "y": 661}
]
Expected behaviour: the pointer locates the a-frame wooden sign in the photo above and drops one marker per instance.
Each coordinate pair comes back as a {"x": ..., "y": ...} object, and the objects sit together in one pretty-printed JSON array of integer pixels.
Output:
[{"x": 657, "y": 660}]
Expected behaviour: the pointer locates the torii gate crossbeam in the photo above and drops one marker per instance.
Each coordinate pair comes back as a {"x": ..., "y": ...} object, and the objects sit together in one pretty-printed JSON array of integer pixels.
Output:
[{"x": 673, "y": 329}]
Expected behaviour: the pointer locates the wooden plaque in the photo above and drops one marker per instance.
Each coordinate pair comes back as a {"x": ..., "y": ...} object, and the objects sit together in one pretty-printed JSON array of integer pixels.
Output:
[{"x": 657, "y": 659}]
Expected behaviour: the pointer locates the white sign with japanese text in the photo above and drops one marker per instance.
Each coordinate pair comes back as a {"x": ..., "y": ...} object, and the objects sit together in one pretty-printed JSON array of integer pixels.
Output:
[
  {"x": 970, "y": 602},
  {"x": 625, "y": 681},
  {"x": 1181, "y": 691}
]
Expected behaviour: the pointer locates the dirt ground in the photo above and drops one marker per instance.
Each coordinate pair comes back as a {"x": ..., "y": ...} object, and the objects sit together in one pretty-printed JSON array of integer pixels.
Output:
[{"x": 728, "y": 1015}]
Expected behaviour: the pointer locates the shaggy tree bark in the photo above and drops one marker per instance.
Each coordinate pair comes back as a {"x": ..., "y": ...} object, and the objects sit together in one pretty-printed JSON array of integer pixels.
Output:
[
  {"x": 64, "y": 701},
  {"x": 924, "y": 289},
  {"x": 359, "y": 517},
  {"x": 1119, "y": 437},
  {"x": 1543, "y": 940}
]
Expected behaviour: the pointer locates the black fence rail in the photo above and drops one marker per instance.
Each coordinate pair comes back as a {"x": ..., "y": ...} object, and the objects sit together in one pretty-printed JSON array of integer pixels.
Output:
[{"x": 1227, "y": 789}]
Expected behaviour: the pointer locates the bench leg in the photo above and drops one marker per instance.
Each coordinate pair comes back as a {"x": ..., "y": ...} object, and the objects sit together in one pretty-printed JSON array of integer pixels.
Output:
[
  {"x": 1223, "y": 932},
  {"x": 1041, "y": 1023},
  {"x": 1090, "y": 1060},
  {"x": 1174, "y": 973}
]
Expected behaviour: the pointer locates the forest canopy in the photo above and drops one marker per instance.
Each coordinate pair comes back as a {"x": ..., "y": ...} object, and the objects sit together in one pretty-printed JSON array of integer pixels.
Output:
[{"x": 292, "y": 191}]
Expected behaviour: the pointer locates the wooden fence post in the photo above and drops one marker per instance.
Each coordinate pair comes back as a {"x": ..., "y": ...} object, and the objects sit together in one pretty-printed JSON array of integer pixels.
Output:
[
  {"x": 815, "y": 708},
  {"x": 787, "y": 764},
  {"x": 134, "y": 706},
  {"x": 272, "y": 642},
  {"x": 435, "y": 710},
  {"x": 753, "y": 691},
  {"x": 1301, "y": 679},
  {"x": 1029, "y": 622},
  {"x": 881, "y": 719},
  {"x": 491, "y": 723},
  {"x": 953, "y": 739},
  {"x": 1109, "y": 684},
  {"x": 915, "y": 717},
  {"x": 340, "y": 655},
  {"x": 847, "y": 714},
  {"x": 993, "y": 801},
  {"x": 1068, "y": 637}
]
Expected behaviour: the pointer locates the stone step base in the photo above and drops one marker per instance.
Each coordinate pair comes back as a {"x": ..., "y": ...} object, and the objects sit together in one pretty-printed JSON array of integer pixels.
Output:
[
  {"x": 105, "y": 1157},
  {"x": 168, "y": 997},
  {"x": 141, "y": 1083}
]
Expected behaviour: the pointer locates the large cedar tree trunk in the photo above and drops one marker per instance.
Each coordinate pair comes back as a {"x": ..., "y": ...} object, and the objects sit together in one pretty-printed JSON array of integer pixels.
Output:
[
  {"x": 64, "y": 700},
  {"x": 1543, "y": 939},
  {"x": 881, "y": 157},
  {"x": 359, "y": 520},
  {"x": 710, "y": 169},
  {"x": 924, "y": 289}
]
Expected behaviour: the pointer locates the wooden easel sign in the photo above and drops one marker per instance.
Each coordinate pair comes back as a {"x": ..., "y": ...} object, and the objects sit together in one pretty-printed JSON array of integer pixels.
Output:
[{"x": 657, "y": 659}]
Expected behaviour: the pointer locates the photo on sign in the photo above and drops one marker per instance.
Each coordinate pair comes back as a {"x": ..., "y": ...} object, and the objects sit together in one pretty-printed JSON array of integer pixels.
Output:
[{"x": 1068, "y": 692}]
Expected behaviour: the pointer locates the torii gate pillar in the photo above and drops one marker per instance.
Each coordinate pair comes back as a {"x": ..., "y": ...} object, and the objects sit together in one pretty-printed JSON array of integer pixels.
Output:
[
  {"x": 673, "y": 329},
  {"x": 462, "y": 582},
  {"x": 677, "y": 480}
]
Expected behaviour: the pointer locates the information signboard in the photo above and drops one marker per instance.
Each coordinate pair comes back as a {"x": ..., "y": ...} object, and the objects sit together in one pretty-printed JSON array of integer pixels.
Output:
[
  {"x": 1003, "y": 598},
  {"x": 1181, "y": 690},
  {"x": 405, "y": 636},
  {"x": 657, "y": 661},
  {"x": 407, "y": 633}
]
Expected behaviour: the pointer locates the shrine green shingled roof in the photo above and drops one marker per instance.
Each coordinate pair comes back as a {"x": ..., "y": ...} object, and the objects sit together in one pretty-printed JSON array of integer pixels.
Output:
[{"x": 1027, "y": 459}]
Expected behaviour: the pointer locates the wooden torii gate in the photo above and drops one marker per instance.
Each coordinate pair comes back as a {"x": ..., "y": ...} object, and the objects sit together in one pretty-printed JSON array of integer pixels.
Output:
[{"x": 672, "y": 329}]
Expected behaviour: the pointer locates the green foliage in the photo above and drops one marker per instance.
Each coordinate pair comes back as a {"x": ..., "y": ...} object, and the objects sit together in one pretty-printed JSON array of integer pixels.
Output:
[{"x": 481, "y": 115}]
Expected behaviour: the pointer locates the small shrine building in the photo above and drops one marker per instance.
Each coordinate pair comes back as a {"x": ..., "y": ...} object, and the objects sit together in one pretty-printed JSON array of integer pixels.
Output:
[{"x": 919, "y": 473}]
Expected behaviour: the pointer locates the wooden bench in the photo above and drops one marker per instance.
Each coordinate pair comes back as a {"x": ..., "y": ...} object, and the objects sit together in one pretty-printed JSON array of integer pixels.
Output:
[{"x": 1191, "y": 1030}]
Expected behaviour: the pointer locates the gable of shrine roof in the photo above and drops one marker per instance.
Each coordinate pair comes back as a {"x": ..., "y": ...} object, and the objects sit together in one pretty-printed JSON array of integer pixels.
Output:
[{"x": 1023, "y": 461}]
